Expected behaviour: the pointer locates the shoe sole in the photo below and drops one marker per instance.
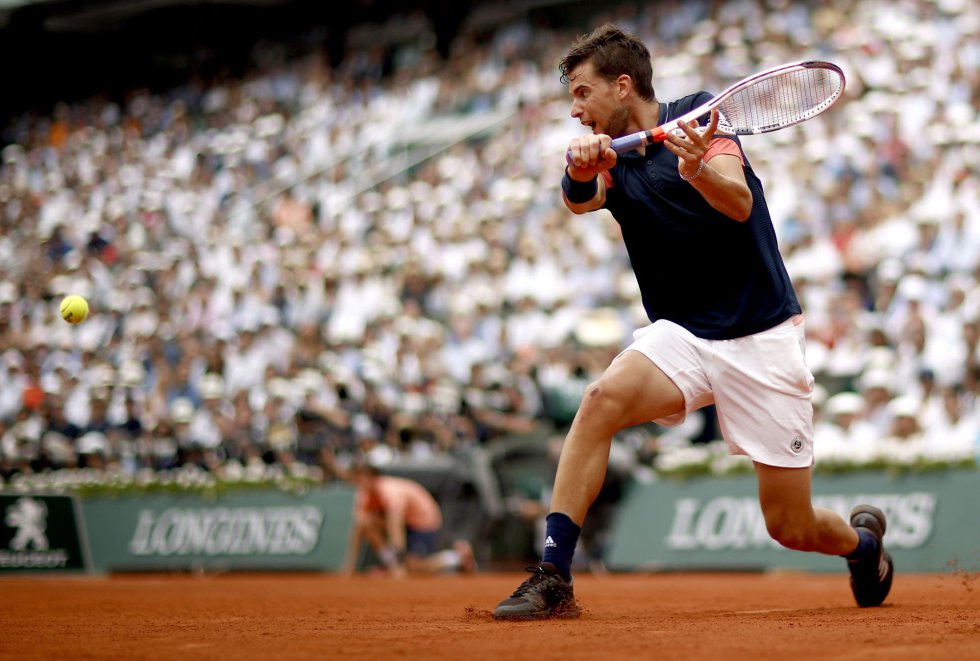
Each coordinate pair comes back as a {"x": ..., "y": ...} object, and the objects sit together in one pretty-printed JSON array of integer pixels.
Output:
[
  {"x": 547, "y": 615},
  {"x": 873, "y": 512},
  {"x": 562, "y": 611}
]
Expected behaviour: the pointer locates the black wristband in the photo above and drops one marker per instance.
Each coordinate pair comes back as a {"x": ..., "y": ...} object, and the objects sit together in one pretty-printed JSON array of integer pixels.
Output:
[{"x": 578, "y": 192}]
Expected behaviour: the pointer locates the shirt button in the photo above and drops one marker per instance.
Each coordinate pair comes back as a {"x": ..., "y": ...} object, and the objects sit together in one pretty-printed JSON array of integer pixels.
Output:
[{"x": 649, "y": 162}]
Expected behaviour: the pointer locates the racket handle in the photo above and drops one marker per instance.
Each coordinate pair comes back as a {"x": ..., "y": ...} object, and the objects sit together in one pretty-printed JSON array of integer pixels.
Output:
[
  {"x": 633, "y": 141},
  {"x": 644, "y": 138},
  {"x": 628, "y": 142},
  {"x": 637, "y": 140}
]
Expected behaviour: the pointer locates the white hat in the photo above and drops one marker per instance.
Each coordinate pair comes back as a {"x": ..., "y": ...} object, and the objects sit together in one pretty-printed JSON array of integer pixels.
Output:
[
  {"x": 877, "y": 378},
  {"x": 600, "y": 328},
  {"x": 8, "y": 292},
  {"x": 212, "y": 386},
  {"x": 92, "y": 442},
  {"x": 845, "y": 403},
  {"x": 913, "y": 287},
  {"x": 132, "y": 373},
  {"x": 181, "y": 410},
  {"x": 890, "y": 270},
  {"x": 907, "y": 407}
]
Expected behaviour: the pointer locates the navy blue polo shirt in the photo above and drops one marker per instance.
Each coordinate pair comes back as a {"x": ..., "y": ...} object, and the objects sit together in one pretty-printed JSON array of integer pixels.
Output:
[{"x": 717, "y": 277}]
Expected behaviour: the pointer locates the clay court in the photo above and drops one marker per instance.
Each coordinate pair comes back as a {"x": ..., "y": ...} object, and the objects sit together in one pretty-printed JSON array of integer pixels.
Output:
[{"x": 626, "y": 616}]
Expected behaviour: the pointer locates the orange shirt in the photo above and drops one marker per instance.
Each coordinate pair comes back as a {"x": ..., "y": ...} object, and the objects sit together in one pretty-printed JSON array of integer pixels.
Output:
[{"x": 419, "y": 509}]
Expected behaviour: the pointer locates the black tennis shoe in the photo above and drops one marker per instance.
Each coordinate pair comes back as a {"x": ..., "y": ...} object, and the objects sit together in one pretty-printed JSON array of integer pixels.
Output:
[
  {"x": 544, "y": 594},
  {"x": 871, "y": 577}
]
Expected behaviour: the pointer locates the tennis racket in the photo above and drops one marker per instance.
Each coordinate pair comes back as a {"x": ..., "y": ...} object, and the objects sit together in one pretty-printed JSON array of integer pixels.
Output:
[{"x": 767, "y": 101}]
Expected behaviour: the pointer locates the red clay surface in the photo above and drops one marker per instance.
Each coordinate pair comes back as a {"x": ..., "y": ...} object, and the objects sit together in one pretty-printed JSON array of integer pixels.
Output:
[{"x": 626, "y": 616}]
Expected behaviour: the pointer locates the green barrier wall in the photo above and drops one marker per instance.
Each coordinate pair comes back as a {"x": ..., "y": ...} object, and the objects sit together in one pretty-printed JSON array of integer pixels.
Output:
[
  {"x": 248, "y": 530},
  {"x": 716, "y": 523}
]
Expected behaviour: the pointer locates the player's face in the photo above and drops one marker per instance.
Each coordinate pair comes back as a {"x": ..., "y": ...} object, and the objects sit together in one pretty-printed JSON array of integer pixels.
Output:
[{"x": 596, "y": 103}]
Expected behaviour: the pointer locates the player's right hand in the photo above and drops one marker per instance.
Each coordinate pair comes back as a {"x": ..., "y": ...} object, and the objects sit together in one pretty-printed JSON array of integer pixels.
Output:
[{"x": 589, "y": 155}]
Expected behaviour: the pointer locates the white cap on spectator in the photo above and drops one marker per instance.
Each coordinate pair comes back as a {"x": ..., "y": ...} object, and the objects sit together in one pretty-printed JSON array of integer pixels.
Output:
[
  {"x": 8, "y": 292},
  {"x": 600, "y": 328},
  {"x": 845, "y": 403},
  {"x": 131, "y": 373},
  {"x": 877, "y": 378},
  {"x": 212, "y": 386},
  {"x": 309, "y": 380},
  {"x": 12, "y": 358},
  {"x": 51, "y": 383},
  {"x": 904, "y": 407},
  {"x": 57, "y": 447},
  {"x": 103, "y": 375},
  {"x": 913, "y": 287},
  {"x": 880, "y": 359},
  {"x": 93, "y": 442},
  {"x": 280, "y": 387},
  {"x": 181, "y": 410}
]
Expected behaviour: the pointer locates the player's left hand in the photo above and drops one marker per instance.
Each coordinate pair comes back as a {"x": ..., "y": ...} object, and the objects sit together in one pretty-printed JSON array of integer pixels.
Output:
[{"x": 690, "y": 143}]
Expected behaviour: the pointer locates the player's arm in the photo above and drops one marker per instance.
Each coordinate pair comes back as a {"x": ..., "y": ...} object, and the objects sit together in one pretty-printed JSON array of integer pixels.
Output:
[
  {"x": 582, "y": 187},
  {"x": 722, "y": 184},
  {"x": 721, "y": 181},
  {"x": 395, "y": 528}
]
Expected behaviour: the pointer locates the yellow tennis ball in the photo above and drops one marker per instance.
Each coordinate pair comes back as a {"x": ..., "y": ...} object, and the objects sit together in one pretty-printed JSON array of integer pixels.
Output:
[{"x": 74, "y": 309}]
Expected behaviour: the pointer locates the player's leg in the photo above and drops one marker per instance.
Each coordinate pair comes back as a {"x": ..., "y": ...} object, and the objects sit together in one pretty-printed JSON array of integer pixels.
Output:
[
  {"x": 633, "y": 390},
  {"x": 763, "y": 389},
  {"x": 791, "y": 519}
]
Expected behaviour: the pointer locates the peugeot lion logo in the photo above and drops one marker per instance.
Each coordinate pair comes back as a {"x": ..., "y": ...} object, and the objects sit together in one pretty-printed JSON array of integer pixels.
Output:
[{"x": 30, "y": 518}]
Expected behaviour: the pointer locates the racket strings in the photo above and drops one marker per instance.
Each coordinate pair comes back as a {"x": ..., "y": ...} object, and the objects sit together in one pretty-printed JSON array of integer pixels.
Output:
[{"x": 781, "y": 100}]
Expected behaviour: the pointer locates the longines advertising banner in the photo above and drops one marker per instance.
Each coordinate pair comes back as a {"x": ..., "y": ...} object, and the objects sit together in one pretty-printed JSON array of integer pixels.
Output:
[
  {"x": 257, "y": 530},
  {"x": 716, "y": 523}
]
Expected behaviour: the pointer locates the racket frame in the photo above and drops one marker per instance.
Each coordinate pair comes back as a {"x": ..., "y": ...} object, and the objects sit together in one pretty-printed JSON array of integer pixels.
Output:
[{"x": 639, "y": 139}]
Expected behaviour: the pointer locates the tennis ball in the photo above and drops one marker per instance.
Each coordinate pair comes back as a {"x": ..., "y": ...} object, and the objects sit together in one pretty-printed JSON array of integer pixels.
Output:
[{"x": 74, "y": 309}]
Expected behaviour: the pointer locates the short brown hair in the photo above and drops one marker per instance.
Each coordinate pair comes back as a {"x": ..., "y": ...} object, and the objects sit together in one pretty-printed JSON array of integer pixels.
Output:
[{"x": 613, "y": 52}]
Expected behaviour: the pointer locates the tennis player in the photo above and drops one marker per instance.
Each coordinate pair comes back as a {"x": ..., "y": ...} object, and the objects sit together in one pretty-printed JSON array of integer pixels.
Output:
[{"x": 726, "y": 324}]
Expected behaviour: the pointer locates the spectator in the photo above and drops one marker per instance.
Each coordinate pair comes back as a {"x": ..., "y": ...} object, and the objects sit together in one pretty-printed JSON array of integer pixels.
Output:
[{"x": 193, "y": 265}]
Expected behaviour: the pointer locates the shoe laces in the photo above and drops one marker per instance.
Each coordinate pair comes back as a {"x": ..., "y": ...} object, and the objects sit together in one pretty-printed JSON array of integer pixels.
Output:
[{"x": 538, "y": 575}]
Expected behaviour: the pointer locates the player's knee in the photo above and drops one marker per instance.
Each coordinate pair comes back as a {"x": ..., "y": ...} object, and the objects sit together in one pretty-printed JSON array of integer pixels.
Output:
[
  {"x": 790, "y": 535},
  {"x": 601, "y": 406}
]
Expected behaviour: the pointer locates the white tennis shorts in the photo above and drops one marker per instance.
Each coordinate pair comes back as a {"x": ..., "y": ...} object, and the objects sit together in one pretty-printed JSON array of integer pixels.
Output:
[{"x": 760, "y": 384}]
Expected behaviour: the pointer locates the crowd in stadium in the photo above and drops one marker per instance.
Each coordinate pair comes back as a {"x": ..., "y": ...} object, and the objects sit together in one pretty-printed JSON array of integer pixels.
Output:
[{"x": 260, "y": 296}]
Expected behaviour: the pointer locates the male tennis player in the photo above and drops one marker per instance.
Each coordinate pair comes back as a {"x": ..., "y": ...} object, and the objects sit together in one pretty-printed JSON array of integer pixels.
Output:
[{"x": 726, "y": 325}]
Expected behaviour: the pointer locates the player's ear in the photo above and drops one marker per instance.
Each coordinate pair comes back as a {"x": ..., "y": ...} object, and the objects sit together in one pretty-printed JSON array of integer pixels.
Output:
[{"x": 623, "y": 85}]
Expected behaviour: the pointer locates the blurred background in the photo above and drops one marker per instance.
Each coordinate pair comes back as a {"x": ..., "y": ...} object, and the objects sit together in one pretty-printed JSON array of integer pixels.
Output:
[{"x": 314, "y": 232}]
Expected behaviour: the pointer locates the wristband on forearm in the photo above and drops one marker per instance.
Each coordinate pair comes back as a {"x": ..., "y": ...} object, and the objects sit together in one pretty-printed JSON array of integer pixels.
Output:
[{"x": 578, "y": 192}]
